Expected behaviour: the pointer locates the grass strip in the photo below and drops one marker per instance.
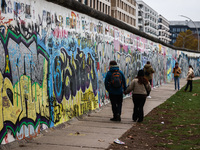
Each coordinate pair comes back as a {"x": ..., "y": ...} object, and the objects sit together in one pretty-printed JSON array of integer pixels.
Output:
[{"x": 178, "y": 120}]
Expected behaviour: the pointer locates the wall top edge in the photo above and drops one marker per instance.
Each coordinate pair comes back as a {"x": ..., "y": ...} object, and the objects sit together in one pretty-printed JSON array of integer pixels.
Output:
[{"x": 81, "y": 8}]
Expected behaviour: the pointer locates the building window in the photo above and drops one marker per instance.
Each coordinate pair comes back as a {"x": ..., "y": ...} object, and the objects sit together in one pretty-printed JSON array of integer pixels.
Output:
[
  {"x": 178, "y": 30},
  {"x": 79, "y": 0},
  {"x": 113, "y": 3},
  {"x": 97, "y": 4},
  {"x": 174, "y": 30},
  {"x": 94, "y": 4},
  {"x": 112, "y": 13},
  {"x": 85, "y": 2}
]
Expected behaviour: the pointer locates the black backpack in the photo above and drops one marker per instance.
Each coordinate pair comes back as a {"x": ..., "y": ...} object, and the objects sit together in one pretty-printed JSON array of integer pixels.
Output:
[
  {"x": 116, "y": 79},
  {"x": 146, "y": 73}
]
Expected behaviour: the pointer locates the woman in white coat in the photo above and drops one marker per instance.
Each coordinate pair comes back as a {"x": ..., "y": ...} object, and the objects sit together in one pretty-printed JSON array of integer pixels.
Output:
[{"x": 190, "y": 76}]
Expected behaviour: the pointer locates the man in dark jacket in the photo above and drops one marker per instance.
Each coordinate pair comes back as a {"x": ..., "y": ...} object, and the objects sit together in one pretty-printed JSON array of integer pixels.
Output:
[
  {"x": 148, "y": 74},
  {"x": 115, "y": 84}
]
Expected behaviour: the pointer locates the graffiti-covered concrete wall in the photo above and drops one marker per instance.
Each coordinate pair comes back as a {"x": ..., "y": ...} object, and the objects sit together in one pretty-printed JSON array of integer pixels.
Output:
[{"x": 53, "y": 62}]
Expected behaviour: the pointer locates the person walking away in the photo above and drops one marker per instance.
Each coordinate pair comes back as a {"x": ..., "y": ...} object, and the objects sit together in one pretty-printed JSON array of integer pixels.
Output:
[
  {"x": 139, "y": 87},
  {"x": 190, "y": 76},
  {"x": 176, "y": 72},
  {"x": 115, "y": 84},
  {"x": 148, "y": 74}
]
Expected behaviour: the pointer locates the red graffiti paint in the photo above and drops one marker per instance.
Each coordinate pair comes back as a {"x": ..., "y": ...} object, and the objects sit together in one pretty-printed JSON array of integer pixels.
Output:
[
  {"x": 60, "y": 33},
  {"x": 6, "y": 138}
]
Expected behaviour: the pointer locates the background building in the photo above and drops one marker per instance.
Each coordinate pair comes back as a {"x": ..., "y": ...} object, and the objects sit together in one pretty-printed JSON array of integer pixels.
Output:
[
  {"x": 163, "y": 29},
  {"x": 181, "y": 26},
  {"x": 147, "y": 19},
  {"x": 101, "y": 5},
  {"x": 125, "y": 10}
]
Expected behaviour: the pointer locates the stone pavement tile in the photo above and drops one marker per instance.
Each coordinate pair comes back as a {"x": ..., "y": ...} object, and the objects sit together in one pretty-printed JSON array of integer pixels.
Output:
[{"x": 95, "y": 140}]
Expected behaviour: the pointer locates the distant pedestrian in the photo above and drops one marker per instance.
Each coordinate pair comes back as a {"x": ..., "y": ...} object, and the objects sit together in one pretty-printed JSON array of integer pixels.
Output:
[
  {"x": 190, "y": 76},
  {"x": 139, "y": 87},
  {"x": 176, "y": 72},
  {"x": 115, "y": 84},
  {"x": 148, "y": 74}
]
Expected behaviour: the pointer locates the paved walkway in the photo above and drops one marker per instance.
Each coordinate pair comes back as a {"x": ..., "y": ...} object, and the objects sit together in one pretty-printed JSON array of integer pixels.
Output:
[{"x": 95, "y": 131}]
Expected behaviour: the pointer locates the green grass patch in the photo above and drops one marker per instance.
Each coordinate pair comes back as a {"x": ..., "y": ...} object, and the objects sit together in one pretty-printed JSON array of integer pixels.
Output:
[{"x": 181, "y": 117}]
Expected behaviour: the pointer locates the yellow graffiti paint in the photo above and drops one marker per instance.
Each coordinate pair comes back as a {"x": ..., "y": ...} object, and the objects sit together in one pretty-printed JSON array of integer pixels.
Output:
[
  {"x": 10, "y": 111},
  {"x": 160, "y": 48},
  {"x": 1, "y": 110},
  {"x": 75, "y": 106},
  {"x": 44, "y": 103},
  {"x": 7, "y": 69},
  {"x": 169, "y": 70},
  {"x": 27, "y": 99}
]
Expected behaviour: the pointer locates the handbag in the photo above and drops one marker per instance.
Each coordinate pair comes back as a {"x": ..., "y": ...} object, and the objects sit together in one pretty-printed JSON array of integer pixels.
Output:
[
  {"x": 192, "y": 75},
  {"x": 146, "y": 89}
]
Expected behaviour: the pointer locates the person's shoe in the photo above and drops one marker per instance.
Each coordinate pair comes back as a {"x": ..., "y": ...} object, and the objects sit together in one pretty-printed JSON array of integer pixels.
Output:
[
  {"x": 148, "y": 96},
  {"x": 113, "y": 119},
  {"x": 118, "y": 118}
]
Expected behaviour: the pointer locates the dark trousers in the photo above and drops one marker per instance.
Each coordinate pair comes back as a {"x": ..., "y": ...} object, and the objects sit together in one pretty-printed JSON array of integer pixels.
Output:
[
  {"x": 116, "y": 102},
  {"x": 189, "y": 83},
  {"x": 138, "y": 112}
]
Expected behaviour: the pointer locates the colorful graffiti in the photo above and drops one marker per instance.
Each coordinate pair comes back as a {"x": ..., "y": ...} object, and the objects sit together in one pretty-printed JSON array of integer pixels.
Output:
[{"x": 53, "y": 66}]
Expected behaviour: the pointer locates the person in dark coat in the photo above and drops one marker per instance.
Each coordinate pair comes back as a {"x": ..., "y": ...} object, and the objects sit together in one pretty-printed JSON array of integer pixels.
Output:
[
  {"x": 148, "y": 74},
  {"x": 115, "y": 84}
]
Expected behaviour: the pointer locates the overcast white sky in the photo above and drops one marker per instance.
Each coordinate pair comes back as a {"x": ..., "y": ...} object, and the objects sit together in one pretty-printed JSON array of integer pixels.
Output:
[{"x": 171, "y": 9}]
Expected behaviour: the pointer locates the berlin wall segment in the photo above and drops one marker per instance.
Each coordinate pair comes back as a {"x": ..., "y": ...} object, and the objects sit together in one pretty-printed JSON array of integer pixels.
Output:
[{"x": 54, "y": 60}]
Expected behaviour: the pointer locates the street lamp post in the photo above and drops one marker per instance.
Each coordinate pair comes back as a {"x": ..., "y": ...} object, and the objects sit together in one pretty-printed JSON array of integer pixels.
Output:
[
  {"x": 195, "y": 27},
  {"x": 184, "y": 37}
]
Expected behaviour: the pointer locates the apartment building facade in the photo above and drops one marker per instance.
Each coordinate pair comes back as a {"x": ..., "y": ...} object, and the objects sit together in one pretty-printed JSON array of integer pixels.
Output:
[
  {"x": 103, "y": 6},
  {"x": 125, "y": 10},
  {"x": 181, "y": 26},
  {"x": 147, "y": 19},
  {"x": 163, "y": 29}
]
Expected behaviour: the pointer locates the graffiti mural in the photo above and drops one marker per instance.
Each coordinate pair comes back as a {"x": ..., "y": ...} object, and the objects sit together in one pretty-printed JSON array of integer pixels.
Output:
[{"x": 53, "y": 65}]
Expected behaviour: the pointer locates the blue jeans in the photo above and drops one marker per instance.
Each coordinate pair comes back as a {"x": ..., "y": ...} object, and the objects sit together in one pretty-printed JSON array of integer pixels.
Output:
[{"x": 176, "y": 82}]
